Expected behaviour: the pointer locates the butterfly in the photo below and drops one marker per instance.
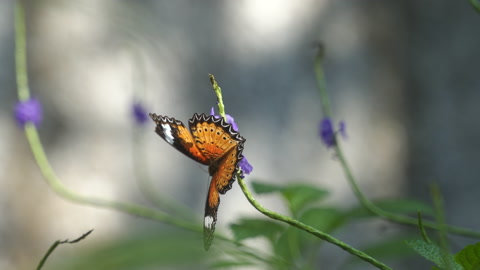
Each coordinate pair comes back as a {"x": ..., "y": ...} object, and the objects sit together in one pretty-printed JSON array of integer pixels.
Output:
[{"x": 210, "y": 141}]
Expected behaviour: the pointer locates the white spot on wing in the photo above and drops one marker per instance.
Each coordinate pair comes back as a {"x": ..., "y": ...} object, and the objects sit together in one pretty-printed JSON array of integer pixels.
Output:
[
  {"x": 208, "y": 222},
  {"x": 167, "y": 131}
]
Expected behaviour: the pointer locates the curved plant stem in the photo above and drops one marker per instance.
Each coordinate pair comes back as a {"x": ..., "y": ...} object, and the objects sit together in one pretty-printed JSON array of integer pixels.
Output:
[
  {"x": 132, "y": 209},
  {"x": 422, "y": 229},
  {"x": 61, "y": 190},
  {"x": 39, "y": 154},
  {"x": 287, "y": 219},
  {"x": 20, "y": 52},
  {"x": 401, "y": 219},
  {"x": 309, "y": 229}
]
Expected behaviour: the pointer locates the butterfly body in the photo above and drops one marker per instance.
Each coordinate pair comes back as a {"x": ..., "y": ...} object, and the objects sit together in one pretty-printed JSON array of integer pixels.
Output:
[{"x": 210, "y": 141}]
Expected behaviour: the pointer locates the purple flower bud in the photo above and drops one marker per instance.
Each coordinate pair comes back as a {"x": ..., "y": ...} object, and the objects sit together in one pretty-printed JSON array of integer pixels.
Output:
[
  {"x": 230, "y": 119},
  {"x": 139, "y": 113},
  {"x": 246, "y": 167},
  {"x": 327, "y": 133},
  {"x": 243, "y": 164},
  {"x": 28, "y": 111}
]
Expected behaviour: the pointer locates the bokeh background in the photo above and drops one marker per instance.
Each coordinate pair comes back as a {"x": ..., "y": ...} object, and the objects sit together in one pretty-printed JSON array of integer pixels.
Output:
[{"x": 402, "y": 74}]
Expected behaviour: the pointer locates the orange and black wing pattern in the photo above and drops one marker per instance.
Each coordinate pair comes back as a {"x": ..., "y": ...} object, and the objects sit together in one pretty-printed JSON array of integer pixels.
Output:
[
  {"x": 178, "y": 136},
  {"x": 210, "y": 141},
  {"x": 217, "y": 141}
]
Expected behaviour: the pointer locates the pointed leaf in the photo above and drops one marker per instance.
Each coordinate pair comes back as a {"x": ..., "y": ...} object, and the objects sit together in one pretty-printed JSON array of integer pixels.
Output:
[
  {"x": 433, "y": 253},
  {"x": 469, "y": 257},
  {"x": 263, "y": 187},
  {"x": 287, "y": 246},
  {"x": 299, "y": 196}
]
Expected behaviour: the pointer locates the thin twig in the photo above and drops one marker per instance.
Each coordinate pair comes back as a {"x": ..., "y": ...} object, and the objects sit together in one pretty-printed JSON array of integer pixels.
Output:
[{"x": 56, "y": 244}]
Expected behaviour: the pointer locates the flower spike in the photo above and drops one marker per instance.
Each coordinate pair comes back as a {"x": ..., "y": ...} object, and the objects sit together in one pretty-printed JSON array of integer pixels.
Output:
[{"x": 29, "y": 110}]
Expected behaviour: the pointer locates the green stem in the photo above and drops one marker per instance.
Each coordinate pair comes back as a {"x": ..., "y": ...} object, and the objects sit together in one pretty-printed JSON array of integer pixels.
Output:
[
  {"x": 287, "y": 219},
  {"x": 320, "y": 76},
  {"x": 39, "y": 154},
  {"x": 388, "y": 215},
  {"x": 218, "y": 92},
  {"x": 49, "y": 174},
  {"x": 422, "y": 229},
  {"x": 58, "y": 187},
  {"x": 20, "y": 52},
  {"x": 132, "y": 209},
  {"x": 369, "y": 205},
  {"x": 308, "y": 229},
  {"x": 62, "y": 191}
]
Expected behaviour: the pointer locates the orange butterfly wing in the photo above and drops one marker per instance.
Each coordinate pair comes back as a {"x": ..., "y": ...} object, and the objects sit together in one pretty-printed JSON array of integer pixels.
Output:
[
  {"x": 178, "y": 136},
  {"x": 222, "y": 181},
  {"x": 223, "y": 146},
  {"x": 213, "y": 142}
]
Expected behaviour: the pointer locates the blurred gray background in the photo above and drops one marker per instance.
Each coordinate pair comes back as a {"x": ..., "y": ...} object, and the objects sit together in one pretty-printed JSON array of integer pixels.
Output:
[{"x": 404, "y": 75}]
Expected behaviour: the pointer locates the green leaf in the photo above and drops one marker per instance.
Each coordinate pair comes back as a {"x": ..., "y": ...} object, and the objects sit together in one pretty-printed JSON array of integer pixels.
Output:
[
  {"x": 323, "y": 219},
  {"x": 433, "y": 253},
  {"x": 297, "y": 195},
  {"x": 264, "y": 188},
  {"x": 398, "y": 206},
  {"x": 469, "y": 257},
  {"x": 287, "y": 246},
  {"x": 249, "y": 228}
]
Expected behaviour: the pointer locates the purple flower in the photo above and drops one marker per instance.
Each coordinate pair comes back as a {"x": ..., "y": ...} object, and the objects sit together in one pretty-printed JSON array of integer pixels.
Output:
[
  {"x": 327, "y": 133},
  {"x": 246, "y": 167},
  {"x": 28, "y": 111},
  {"x": 139, "y": 113},
  {"x": 230, "y": 119}
]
